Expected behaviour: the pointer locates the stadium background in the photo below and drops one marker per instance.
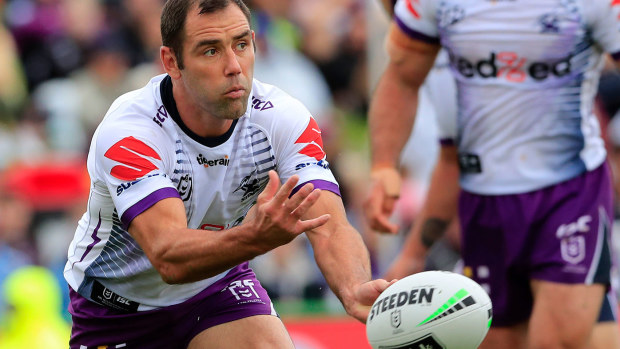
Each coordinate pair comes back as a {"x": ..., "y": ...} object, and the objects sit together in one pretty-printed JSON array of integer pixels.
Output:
[{"x": 62, "y": 63}]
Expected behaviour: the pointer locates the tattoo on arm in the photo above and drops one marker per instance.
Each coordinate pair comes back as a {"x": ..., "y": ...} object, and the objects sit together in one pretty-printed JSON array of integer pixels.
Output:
[{"x": 432, "y": 230}]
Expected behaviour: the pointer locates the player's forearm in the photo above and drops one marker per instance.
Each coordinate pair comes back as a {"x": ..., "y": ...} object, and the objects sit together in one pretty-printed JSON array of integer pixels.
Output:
[
  {"x": 199, "y": 254},
  {"x": 440, "y": 206},
  {"x": 344, "y": 261},
  {"x": 391, "y": 118}
]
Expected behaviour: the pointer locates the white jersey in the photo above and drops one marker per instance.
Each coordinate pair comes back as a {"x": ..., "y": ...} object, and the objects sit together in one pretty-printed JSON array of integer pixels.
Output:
[
  {"x": 142, "y": 153},
  {"x": 527, "y": 73}
]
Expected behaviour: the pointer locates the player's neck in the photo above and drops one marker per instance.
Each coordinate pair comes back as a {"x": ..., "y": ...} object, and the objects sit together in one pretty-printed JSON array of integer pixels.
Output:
[{"x": 197, "y": 119}]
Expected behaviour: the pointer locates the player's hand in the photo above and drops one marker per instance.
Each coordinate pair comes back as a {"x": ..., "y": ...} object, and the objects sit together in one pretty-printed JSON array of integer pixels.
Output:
[
  {"x": 276, "y": 218},
  {"x": 381, "y": 199},
  {"x": 364, "y": 296}
]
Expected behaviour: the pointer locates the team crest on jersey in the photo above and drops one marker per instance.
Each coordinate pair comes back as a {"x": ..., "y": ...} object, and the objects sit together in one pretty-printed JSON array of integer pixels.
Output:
[
  {"x": 249, "y": 186},
  {"x": 134, "y": 157},
  {"x": 449, "y": 14},
  {"x": 314, "y": 143}
]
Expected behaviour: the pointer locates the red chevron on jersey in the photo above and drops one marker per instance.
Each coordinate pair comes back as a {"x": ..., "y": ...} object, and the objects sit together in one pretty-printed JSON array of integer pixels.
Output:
[
  {"x": 131, "y": 153},
  {"x": 312, "y": 136},
  {"x": 411, "y": 9},
  {"x": 615, "y": 2}
]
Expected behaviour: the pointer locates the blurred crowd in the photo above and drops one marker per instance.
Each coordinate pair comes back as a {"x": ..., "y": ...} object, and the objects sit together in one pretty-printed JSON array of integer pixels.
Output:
[{"x": 63, "y": 62}]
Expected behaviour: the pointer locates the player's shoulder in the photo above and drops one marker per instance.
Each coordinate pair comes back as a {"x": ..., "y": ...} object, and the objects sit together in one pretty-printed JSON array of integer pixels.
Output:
[
  {"x": 139, "y": 113},
  {"x": 270, "y": 105}
]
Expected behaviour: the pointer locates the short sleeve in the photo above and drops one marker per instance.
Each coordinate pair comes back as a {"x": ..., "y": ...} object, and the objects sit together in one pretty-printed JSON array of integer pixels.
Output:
[
  {"x": 417, "y": 19},
  {"x": 299, "y": 149},
  {"x": 603, "y": 20},
  {"x": 134, "y": 170}
]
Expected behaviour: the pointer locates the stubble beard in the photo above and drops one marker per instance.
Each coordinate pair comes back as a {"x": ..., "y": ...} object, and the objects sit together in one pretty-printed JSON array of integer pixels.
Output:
[{"x": 231, "y": 109}]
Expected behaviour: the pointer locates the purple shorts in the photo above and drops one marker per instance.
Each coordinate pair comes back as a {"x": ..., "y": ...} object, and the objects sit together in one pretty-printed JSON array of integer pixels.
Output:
[
  {"x": 560, "y": 234},
  {"x": 238, "y": 295}
]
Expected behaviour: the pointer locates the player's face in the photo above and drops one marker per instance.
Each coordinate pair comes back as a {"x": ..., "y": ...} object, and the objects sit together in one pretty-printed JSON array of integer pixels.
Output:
[{"x": 218, "y": 54}]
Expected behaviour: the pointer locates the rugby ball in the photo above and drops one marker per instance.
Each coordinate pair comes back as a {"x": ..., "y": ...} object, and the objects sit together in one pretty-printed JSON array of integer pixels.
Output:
[{"x": 430, "y": 310}]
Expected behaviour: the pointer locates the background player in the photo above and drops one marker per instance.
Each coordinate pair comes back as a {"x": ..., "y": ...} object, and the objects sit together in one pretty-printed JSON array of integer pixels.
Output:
[
  {"x": 529, "y": 147},
  {"x": 159, "y": 260}
]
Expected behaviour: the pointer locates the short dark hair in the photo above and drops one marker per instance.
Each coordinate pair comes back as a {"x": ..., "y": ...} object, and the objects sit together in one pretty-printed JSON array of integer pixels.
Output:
[{"x": 173, "y": 18}]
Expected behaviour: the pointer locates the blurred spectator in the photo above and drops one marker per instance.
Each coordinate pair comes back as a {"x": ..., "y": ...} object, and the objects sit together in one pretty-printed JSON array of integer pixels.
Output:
[
  {"x": 33, "y": 320},
  {"x": 93, "y": 88},
  {"x": 12, "y": 83}
]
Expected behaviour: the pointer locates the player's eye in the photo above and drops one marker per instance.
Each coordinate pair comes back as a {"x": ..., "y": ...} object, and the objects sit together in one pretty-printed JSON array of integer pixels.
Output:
[
  {"x": 242, "y": 45},
  {"x": 210, "y": 52}
]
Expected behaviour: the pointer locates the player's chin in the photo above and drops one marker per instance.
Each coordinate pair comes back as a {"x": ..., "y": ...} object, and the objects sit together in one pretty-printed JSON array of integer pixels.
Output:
[{"x": 234, "y": 109}]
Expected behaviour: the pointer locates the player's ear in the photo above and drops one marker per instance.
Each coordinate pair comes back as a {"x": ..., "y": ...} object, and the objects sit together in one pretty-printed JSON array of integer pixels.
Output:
[{"x": 170, "y": 62}]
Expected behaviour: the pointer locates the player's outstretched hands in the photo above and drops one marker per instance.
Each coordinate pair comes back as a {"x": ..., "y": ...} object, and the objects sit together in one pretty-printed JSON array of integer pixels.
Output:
[
  {"x": 365, "y": 295},
  {"x": 276, "y": 217},
  {"x": 381, "y": 199}
]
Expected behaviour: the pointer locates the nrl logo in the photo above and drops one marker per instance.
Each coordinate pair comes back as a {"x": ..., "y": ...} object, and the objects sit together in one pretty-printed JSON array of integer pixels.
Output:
[
  {"x": 395, "y": 318},
  {"x": 107, "y": 294}
]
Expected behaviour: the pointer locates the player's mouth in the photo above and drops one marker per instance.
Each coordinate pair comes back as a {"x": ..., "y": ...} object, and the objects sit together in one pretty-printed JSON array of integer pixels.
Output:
[{"x": 235, "y": 92}]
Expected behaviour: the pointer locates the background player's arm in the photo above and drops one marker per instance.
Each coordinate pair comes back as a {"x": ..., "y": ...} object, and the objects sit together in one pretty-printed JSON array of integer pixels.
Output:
[
  {"x": 183, "y": 255},
  {"x": 438, "y": 211},
  {"x": 343, "y": 258},
  {"x": 391, "y": 117}
]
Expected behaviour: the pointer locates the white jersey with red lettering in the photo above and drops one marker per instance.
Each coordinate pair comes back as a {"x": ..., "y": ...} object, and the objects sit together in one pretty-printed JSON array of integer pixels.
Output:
[
  {"x": 142, "y": 153},
  {"x": 527, "y": 73}
]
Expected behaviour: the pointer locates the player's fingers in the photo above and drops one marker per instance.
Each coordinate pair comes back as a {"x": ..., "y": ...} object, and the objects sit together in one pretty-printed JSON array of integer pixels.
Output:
[
  {"x": 374, "y": 201},
  {"x": 271, "y": 188},
  {"x": 303, "y": 198},
  {"x": 375, "y": 215},
  {"x": 388, "y": 205},
  {"x": 382, "y": 224},
  {"x": 313, "y": 223},
  {"x": 285, "y": 190}
]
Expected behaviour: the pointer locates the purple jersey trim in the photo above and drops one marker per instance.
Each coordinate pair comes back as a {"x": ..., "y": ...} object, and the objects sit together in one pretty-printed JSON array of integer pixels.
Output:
[
  {"x": 320, "y": 184},
  {"x": 415, "y": 34},
  {"x": 616, "y": 56},
  {"x": 146, "y": 203},
  {"x": 446, "y": 141},
  {"x": 96, "y": 239}
]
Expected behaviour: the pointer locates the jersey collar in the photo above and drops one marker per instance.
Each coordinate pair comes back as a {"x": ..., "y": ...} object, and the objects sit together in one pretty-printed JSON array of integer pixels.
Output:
[{"x": 171, "y": 106}]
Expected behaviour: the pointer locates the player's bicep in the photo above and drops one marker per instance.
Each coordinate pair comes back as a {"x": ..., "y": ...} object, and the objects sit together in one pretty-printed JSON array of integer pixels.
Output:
[
  {"x": 328, "y": 203},
  {"x": 410, "y": 59},
  {"x": 155, "y": 227}
]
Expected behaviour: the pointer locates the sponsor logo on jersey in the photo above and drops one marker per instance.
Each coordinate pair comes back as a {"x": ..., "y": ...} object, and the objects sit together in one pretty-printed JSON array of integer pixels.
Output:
[
  {"x": 134, "y": 157},
  {"x": 217, "y": 162},
  {"x": 321, "y": 163},
  {"x": 161, "y": 116},
  {"x": 261, "y": 105},
  {"x": 411, "y": 8},
  {"x": 510, "y": 66},
  {"x": 614, "y": 3},
  {"x": 421, "y": 295},
  {"x": 124, "y": 186},
  {"x": 312, "y": 138}
]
